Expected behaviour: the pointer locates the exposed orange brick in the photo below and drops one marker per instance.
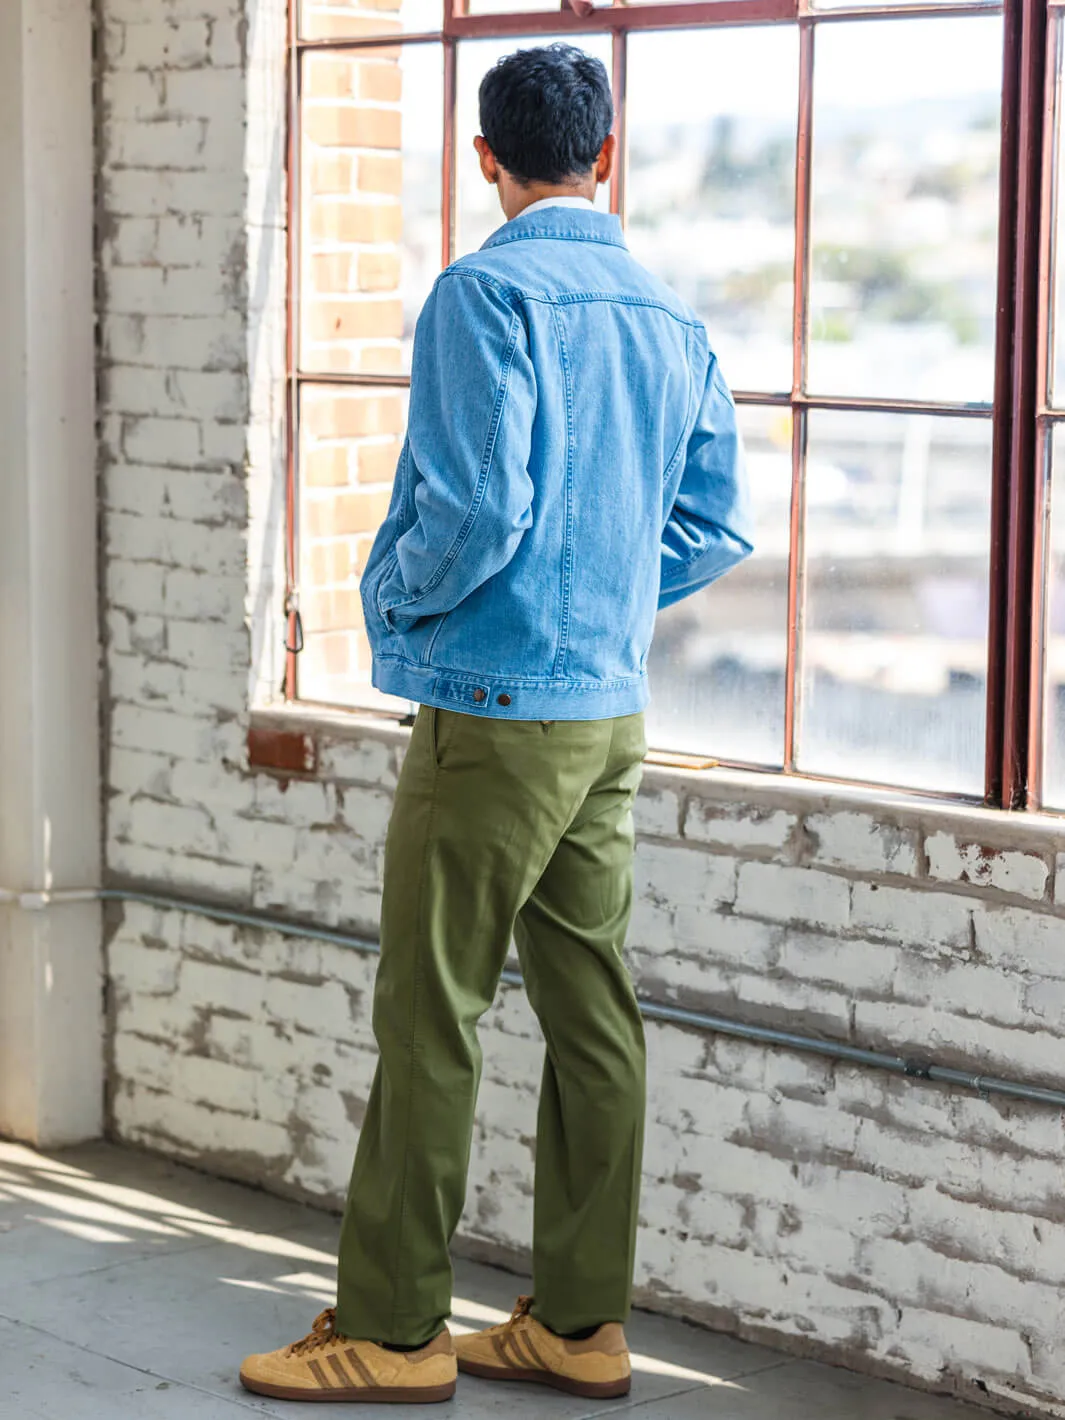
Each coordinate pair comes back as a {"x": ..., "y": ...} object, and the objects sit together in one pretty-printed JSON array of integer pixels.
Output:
[
  {"x": 378, "y": 173},
  {"x": 363, "y": 654},
  {"x": 363, "y": 546},
  {"x": 333, "y": 610},
  {"x": 331, "y": 173},
  {"x": 329, "y": 562},
  {"x": 319, "y": 25},
  {"x": 379, "y": 271},
  {"x": 331, "y": 271},
  {"x": 335, "y": 651},
  {"x": 342, "y": 127},
  {"x": 354, "y": 320},
  {"x": 326, "y": 467},
  {"x": 381, "y": 81},
  {"x": 379, "y": 360},
  {"x": 377, "y": 462},
  {"x": 329, "y": 359},
  {"x": 347, "y": 513},
  {"x": 341, "y": 567},
  {"x": 329, "y": 77},
  {"x": 343, "y": 416},
  {"x": 356, "y": 221}
]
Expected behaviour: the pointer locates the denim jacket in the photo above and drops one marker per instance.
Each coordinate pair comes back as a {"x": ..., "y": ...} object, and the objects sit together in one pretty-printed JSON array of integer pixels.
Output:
[{"x": 571, "y": 464}]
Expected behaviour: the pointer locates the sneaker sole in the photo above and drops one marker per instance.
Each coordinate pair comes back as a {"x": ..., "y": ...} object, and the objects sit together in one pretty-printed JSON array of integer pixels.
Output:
[
  {"x": 589, "y": 1390},
  {"x": 370, "y": 1395}
]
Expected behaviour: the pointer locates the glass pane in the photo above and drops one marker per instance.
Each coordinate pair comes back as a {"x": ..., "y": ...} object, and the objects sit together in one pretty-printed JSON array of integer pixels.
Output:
[
  {"x": 370, "y": 221},
  {"x": 478, "y": 206},
  {"x": 349, "y": 444},
  {"x": 894, "y": 654},
  {"x": 905, "y": 208},
  {"x": 711, "y": 185},
  {"x": 717, "y": 660},
  {"x": 347, "y": 19},
  {"x": 1054, "y": 692}
]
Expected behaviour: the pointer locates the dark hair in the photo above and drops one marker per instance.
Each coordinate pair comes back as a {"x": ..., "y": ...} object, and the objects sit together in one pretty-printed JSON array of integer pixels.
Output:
[{"x": 546, "y": 112}]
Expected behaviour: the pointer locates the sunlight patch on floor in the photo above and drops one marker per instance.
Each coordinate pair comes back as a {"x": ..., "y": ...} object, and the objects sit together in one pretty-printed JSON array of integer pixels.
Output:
[
  {"x": 96, "y": 1212},
  {"x": 88, "y": 1232}
]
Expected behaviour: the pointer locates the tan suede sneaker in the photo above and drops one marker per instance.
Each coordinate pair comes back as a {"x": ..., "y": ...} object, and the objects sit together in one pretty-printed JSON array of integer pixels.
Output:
[
  {"x": 524, "y": 1350},
  {"x": 327, "y": 1366}
]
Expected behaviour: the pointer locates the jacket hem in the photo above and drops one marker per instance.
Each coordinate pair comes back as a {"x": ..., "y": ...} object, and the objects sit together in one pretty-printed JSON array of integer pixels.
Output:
[{"x": 497, "y": 697}]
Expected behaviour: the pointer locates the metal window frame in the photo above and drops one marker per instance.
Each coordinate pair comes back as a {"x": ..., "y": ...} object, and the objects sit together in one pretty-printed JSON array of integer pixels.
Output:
[{"x": 1019, "y": 410}]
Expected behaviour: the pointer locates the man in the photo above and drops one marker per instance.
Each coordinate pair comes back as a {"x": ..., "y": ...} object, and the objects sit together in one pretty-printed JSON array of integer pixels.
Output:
[{"x": 571, "y": 464}]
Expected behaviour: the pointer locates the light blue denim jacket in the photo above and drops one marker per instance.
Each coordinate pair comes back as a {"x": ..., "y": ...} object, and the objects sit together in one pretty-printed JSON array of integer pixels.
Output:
[{"x": 571, "y": 464}]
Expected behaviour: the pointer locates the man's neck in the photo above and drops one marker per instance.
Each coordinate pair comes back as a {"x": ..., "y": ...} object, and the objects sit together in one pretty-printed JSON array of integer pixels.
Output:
[{"x": 544, "y": 192}]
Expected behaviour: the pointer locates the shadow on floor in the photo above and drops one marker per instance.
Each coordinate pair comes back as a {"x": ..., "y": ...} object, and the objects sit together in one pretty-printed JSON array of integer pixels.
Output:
[{"x": 131, "y": 1288}]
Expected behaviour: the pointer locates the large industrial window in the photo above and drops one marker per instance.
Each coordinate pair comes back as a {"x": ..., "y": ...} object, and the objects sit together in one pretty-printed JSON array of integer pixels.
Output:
[{"x": 860, "y": 201}]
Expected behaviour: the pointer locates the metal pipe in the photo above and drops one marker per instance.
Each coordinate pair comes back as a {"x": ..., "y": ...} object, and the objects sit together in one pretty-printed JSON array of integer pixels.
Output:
[{"x": 916, "y": 1069}]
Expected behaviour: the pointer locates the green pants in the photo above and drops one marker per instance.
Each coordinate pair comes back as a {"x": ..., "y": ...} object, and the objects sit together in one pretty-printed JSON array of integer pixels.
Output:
[{"x": 502, "y": 829}]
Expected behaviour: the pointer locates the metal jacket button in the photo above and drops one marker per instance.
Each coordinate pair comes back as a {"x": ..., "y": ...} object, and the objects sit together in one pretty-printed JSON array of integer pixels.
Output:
[
  {"x": 480, "y": 695},
  {"x": 504, "y": 700}
]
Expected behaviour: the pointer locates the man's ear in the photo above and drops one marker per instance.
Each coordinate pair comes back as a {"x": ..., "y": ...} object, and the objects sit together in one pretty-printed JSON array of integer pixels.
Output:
[
  {"x": 604, "y": 164},
  {"x": 489, "y": 166}
]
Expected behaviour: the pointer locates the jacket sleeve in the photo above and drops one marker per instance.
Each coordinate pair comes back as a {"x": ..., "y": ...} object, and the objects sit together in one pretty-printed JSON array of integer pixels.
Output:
[
  {"x": 469, "y": 434},
  {"x": 709, "y": 528}
]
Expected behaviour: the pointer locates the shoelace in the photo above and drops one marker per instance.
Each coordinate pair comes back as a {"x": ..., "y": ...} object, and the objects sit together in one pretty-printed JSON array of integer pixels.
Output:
[
  {"x": 522, "y": 1308},
  {"x": 321, "y": 1333}
]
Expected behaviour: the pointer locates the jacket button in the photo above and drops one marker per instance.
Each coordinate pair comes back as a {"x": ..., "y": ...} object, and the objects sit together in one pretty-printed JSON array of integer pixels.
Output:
[
  {"x": 480, "y": 695},
  {"x": 504, "y": 700}
]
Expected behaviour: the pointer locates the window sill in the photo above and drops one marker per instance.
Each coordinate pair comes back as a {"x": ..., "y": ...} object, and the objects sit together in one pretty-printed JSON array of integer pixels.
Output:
[{"x": 287, "y": 739}]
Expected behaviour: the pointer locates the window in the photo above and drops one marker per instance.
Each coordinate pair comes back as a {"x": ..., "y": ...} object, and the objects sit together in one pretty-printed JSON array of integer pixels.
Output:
[{"x": 852, "y": 197}]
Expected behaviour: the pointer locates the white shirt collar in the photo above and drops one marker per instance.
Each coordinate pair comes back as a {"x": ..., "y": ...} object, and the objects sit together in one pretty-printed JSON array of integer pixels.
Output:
[{"x": 556, "y": 202}]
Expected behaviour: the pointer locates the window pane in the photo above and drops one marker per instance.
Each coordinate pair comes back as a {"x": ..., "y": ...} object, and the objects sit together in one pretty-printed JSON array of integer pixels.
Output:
[
  {"x": 345, "y": 19},
  {"x": 711, "y": 185},
  {"x": 905, "y": 208},
  {"x": 717, "y": 661},
  {"x": 478, "y": 206},
  {"x": 370, "y": 220},
  {"x": 894, "y": 655},
  {"x": 1054, "y": 692},
  {"x": 349, "y": 444}
]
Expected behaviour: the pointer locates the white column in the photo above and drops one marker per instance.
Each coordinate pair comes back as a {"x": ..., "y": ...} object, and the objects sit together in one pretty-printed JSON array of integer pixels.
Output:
[{"x": 51, "y": 1011}]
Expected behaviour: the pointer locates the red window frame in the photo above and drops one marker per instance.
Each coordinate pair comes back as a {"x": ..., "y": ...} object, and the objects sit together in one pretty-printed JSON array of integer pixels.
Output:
[{"x": 1020, "y": 412}]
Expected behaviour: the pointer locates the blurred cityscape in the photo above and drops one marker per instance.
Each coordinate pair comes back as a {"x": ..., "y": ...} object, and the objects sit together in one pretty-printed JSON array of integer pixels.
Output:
[{"x": 902, "y": 301}]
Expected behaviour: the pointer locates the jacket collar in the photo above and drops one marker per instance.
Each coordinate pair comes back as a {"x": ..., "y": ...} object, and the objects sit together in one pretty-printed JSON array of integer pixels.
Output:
[{"x": 568, "y": 224}]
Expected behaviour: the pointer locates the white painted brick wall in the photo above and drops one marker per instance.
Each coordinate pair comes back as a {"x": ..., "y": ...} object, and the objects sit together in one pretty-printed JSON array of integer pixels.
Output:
[
  {"x": 919, "y": 1230},
  {"x": 891, "y": 1224}
]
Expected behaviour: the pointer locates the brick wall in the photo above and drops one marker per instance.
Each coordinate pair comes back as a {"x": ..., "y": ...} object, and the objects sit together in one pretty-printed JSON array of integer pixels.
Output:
[
  {"x": 352, "y": 322},
  {"x": 888, "y": 1223}
]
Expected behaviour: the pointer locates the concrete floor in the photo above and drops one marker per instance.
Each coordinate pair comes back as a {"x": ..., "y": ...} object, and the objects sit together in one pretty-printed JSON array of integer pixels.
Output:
[{"x": 130, "y": 1289}]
